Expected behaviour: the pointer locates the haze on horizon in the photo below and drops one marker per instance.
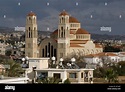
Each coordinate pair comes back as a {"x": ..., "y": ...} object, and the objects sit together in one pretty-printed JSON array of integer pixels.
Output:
[{"x": 92, "y": 14}]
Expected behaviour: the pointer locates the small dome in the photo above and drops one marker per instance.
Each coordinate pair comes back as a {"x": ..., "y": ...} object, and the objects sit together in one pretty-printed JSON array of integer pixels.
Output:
[
  {"x": 82, "y": 31},
  {"x": 63, "y": 13},
  {"x": 73, "y": 20},
  {"x": 31, "y": 14}
]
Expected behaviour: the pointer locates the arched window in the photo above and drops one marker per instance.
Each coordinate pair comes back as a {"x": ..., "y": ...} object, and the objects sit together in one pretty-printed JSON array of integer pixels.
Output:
[
  {"x": 34, "y": 28},
  {"x": 61, "y": 31},
  {"x": 29, "y": 28},
  {"x": 29, "y": 18},
  {"x": 62, "y": 19},
  {"x": 42, "y": 52},
  {"x": 49, "y": 49},
  {"x": 46, "y": 51},
  {"x": 64, "y": 33},
  {"x": 29, "y": 33},
  {"x": 62, "y": 28}
]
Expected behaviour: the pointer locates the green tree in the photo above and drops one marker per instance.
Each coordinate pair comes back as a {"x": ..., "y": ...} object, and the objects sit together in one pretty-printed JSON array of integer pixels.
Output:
[
  {"x": 15, "y": 68},
  {"x": 111, "y": 75},
  {"x": 99, "y": 72},
  {"x": 67, "y": 81},
  {"x": 121, "y": 68},
  {"x": 49, "y": 80},
  {"x": 8, "y": 52}
]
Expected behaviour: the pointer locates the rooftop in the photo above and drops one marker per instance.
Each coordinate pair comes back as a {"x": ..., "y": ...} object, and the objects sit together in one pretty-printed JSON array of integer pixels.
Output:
[{"x": 31, "y": 14}]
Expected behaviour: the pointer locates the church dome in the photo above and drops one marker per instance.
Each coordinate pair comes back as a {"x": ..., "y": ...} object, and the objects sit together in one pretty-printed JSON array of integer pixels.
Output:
[
  {"x": 63, "y": 13},
  {"x": 82, "y": 31},
  {"x": 31, "y": 14},
  {"x": 73, "y": 20}
]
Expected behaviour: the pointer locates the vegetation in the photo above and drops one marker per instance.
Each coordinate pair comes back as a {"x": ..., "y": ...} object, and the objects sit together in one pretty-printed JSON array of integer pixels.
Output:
[
  {"x": 14, "y": 67},
  {"x": 110, "y": 71},
  {"x": 67, "y": 81},
  {"x": 111, "y": 75},
  {"x": 49, "y": 80},
  {"x": 121, "y": 68},
  {"x": 8, "y": 52},
  {"x": 108, "y": 48}
]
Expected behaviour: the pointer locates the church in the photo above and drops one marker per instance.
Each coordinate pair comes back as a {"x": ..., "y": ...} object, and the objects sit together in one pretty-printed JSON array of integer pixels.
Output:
[{"x": 68, "y": 39}]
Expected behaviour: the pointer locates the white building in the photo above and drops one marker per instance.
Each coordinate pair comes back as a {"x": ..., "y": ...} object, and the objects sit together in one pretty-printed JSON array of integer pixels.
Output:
[
  {"x": 105, "y": 57},
  {"x": 121, "y": 56},
  {"x": 74, "y": 75},
  {"x": 2, "y": 48},
  {"x": 20, "y": 29}
]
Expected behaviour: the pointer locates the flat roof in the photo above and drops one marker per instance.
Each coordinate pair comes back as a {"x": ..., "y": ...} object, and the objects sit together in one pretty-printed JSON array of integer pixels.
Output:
[{"x": 54, "y": 69}]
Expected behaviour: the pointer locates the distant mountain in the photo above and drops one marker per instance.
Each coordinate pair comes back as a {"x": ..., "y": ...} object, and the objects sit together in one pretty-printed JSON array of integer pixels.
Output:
[
  {"x": 6, "y": 29},
  {"x": 93, "y": 35},
  {"x": 107, "y": 37}
]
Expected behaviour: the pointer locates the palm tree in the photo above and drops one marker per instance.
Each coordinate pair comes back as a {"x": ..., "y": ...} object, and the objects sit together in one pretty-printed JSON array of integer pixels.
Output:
[
  {"x": 15, "y": 68},
  {"x": 111, "y": 75}
]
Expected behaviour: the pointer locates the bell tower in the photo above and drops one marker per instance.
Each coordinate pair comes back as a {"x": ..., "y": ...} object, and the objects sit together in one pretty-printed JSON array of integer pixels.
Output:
[
  {"x": 63, "y": 35},
  {"x": 31, "y": 36}
]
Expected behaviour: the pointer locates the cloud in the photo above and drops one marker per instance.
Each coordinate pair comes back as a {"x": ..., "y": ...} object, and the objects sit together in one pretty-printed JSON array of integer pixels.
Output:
[{"x": 48, "y": 15}]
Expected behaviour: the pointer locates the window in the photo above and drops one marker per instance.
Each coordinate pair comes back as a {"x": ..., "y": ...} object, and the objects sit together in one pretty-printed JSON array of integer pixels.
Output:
[
  {"x": 42, "y": 52},
  {"x": 82, "y": 75},
  {"x": 55, "y": 52},
  {"x": 43, "y": 75},
  {"x": 14, "y": 52},
  {"x": 29, "y": 28},
  {"x": 29, "y": 18},
  {"x": 56, "y": 75},
  {"x": 51, "y": 51},
  {"x": 72, "y": 75}
]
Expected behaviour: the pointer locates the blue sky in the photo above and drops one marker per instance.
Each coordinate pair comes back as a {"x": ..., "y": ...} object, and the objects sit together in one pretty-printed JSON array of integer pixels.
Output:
[{"x": 104, "y": 13}]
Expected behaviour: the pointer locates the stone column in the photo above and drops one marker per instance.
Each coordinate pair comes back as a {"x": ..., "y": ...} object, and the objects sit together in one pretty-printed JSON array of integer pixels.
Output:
[
  {"x": 79, "y": 76},
  {"x": 64, "y": 76}
]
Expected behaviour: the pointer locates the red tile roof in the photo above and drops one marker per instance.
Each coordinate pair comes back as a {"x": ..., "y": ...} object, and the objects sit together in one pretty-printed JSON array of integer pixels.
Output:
[
  {"x": 31, "y": 14},
  {"x": 72, "y": 32},
  {"x": 75, "y": 45},
  {"x": 82, "y": 31},
  {"x": 92, "y": 55},
  {"x": 73, "y": 20},
  {"x": 63, "y": 13},
  {"x": 111, "y": 54},
  {"x": 55, "y": 32},
  {"x": 98, "y": 46}
]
